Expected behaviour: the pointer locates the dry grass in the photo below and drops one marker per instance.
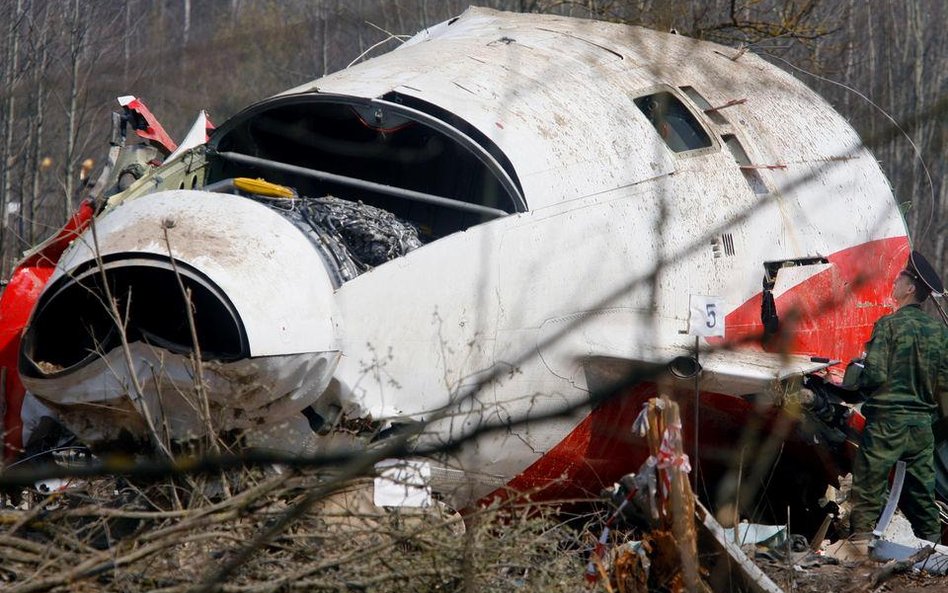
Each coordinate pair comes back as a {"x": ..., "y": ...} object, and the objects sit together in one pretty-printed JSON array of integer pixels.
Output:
[
  {"x": 115, "y": 536},
  {"x": 112, "y": 536}
]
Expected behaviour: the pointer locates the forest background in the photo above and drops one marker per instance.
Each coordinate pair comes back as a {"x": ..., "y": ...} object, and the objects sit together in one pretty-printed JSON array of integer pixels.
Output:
[{"x": 64, "y": 62}]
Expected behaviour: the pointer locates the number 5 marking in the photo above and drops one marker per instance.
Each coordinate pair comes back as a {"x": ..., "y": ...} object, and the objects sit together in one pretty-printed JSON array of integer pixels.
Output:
[{"x": 712, "y": 315}]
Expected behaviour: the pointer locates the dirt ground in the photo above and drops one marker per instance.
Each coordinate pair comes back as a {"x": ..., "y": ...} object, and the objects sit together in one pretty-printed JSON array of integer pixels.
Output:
[{"x": 850, "y": 578}]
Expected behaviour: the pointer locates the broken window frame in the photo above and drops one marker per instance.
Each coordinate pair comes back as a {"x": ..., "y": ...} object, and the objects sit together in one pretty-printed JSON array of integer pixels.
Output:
[
  {"x": 752, "y": 176},
  {"x": 701, "y": 124},
  {"x": 703, "y": 106},
  {"x": 511, "y": 196}
]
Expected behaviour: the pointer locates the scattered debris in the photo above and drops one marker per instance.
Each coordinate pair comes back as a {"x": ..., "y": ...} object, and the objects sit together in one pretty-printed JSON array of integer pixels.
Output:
[
  {"x": 652, "y": 544},
  {"x": 887, "y": 571},
  {"x": 730, "y": 564},
  {"x": 677, "y": 526}
]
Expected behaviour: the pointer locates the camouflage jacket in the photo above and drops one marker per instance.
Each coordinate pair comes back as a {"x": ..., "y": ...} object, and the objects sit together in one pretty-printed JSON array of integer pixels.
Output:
[{"x": 906, "y": 371}]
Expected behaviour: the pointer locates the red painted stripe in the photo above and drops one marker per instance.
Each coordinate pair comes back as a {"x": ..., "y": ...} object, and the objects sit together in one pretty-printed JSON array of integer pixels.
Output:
[
  {"x": 830, "y": 314},
  {"x": 27, "y": 282}
]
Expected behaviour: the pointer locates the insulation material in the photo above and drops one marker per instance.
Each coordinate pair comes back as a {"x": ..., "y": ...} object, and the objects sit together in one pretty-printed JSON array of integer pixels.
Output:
[
  {"x": 372, "y": 236},
  {"x": 353, "y": 237}
]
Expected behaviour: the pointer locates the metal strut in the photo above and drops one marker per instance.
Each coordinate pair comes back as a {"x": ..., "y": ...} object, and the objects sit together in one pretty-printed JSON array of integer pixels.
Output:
[{"x": 417, "y": 196}]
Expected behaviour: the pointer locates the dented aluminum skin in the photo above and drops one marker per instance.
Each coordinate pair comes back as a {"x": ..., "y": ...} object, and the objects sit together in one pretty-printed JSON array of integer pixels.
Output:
[
  {"x": 607, "y": 232},
  {"x": 99, "y": 402}
]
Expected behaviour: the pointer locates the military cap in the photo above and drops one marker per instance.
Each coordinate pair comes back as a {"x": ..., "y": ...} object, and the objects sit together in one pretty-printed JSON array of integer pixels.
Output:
[{"x": 918, "y": 269}]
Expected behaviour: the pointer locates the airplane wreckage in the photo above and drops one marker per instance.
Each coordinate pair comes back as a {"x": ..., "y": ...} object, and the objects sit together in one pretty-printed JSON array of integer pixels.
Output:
[{"x": 505, "y": 215}]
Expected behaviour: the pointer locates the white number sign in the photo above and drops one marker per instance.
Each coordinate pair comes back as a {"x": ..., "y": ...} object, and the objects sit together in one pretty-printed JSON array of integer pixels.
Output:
[{"x": 707, "y": 316}]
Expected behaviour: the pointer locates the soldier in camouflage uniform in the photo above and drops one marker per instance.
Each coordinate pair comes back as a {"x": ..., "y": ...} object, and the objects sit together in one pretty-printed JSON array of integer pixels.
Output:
[{"x": 905, "y": 378}]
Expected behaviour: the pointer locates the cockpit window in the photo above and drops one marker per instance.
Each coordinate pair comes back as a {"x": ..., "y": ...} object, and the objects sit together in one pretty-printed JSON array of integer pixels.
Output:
[
  {"x": 408, "y": 162},
  {"x": 677, "y": 126}
]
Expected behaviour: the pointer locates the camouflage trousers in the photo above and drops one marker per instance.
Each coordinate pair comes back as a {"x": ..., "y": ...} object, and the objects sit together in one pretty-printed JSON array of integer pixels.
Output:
[{"x": 884, "y": 441}]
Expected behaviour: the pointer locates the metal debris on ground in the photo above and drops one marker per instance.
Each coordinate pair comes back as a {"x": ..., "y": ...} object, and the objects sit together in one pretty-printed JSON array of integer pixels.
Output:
[{"x": 674, "y": 525}]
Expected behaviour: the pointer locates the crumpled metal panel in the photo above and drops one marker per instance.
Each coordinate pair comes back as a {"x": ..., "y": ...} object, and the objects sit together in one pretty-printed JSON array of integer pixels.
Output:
[{"x": 99, "y": 404}]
